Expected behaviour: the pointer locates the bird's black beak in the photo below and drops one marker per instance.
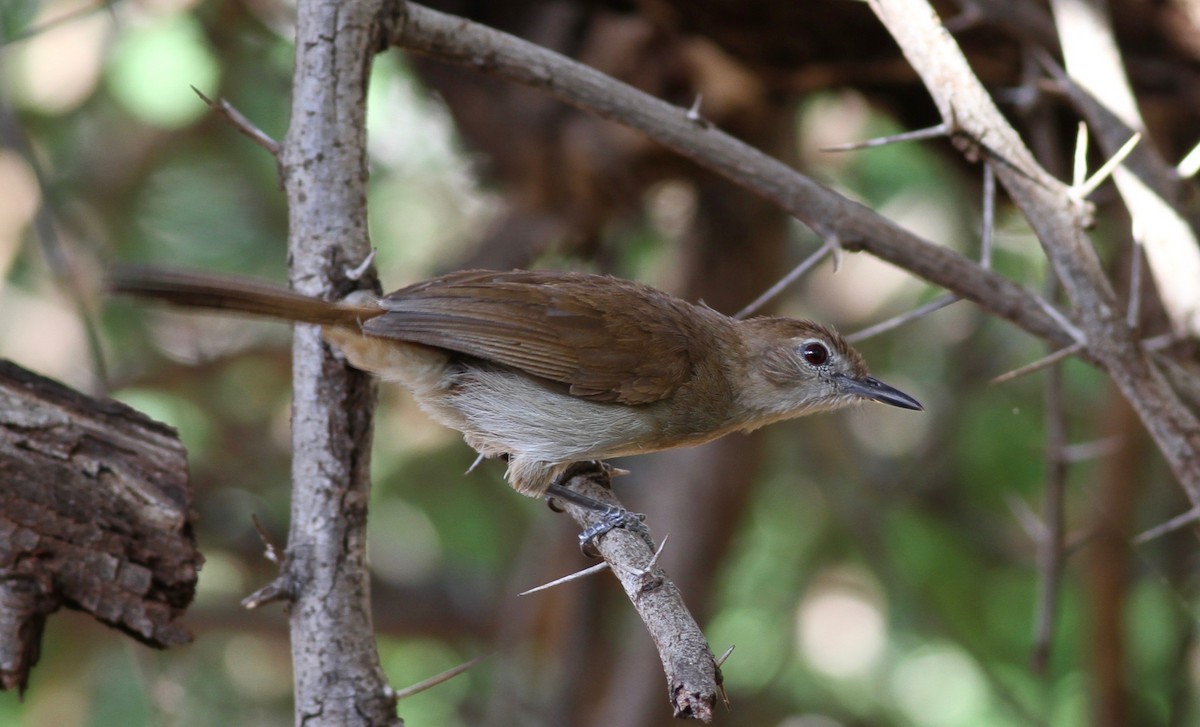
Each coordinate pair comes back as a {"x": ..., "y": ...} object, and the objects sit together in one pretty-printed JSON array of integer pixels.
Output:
[{"x": 872, "y": 388}]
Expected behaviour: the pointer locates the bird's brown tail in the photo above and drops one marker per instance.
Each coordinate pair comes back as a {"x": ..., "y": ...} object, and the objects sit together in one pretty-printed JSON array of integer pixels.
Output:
[{"x": 233, "y": 294}]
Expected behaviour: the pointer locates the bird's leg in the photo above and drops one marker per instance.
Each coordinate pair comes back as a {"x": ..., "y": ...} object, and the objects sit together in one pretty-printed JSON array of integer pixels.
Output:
[{"x": 611, "y": 516}]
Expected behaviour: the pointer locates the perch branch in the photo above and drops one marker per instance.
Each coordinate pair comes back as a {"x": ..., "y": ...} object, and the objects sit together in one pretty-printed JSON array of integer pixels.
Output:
[{"x": 693, "y": 677}]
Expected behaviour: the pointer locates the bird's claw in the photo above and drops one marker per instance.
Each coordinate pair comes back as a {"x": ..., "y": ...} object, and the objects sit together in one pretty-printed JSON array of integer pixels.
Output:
[{"x": 611, "y": 517}]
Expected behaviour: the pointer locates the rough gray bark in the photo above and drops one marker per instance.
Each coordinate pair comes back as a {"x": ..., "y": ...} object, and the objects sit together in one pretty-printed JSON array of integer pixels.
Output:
[
  {"x": 338, "y": 680},
  {"x": 95, "y": 515},
  {"x": 693, "y": 678}
]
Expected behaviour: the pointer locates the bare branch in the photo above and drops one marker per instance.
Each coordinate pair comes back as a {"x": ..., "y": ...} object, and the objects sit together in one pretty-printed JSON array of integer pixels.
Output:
[
  {"x": 1059, "y": 224},
  {"x": 238, "y": 120},
  {"x": 1050, "y": 547},
  {"x": 896, "y": 321},
  {"x": 433, "y": 681},
  {"x": 933, "y": 132},
  {"x": 988, "y": 234},
  {"x": 457, "y": 40},
  {"x": 1079, "y": 167},
  {"x": 323, "y": 160},
  {"x": 280, "y": 589},
  {"x": 1170, "y": 526},
  {"x": 1190, "y": 164},
  {"x": 1151, "y": 191},
  {"x": 577, "y": 575},
  {"x": 809, "y": 263},
  {"x": 1083, "y": 190},
  {"x": 691, "y": 671},
  {"x": 270, "y": 552}
]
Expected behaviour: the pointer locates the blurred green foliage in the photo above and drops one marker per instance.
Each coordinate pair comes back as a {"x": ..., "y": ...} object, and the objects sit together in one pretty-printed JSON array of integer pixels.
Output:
[{"x": 904, "y": 531}]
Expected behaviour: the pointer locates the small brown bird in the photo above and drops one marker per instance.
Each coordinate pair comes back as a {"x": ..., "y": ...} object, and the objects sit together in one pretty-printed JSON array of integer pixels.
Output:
[{"x": 552, "y": 368}]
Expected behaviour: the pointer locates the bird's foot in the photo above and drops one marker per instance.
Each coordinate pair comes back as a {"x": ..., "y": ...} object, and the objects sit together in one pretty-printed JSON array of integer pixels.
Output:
[{"x": 611, "y": 516}]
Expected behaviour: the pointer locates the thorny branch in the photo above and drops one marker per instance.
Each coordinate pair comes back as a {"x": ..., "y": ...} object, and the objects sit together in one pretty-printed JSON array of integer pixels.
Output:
[
  {"x": 832, "y": 216},
  {"x": 1057, "y": 219},
  {"x": 1059, "y": 223},
  {"x": 693, "y": 677},
  {"x": 1152, "y": 193}
]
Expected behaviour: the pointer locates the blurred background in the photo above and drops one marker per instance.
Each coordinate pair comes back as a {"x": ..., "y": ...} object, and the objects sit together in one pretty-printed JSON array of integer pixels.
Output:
[{"x": 872, "y": 567}]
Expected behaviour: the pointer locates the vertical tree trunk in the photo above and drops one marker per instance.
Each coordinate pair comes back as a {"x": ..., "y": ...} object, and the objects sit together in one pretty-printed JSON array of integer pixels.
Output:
[{"x": 338, "y": 680}]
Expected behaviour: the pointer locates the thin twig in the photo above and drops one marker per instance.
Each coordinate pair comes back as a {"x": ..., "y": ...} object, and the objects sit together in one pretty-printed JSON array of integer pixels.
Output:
[
  {"x": 433, "y": 681},
  {"x": 988, "y": 234},
  {"x": 54, "y": 250},
  {"x": 1029, "y": 521},
  {"x": 933, "y": 132},
  {"x": 1134, "y": 309},
  {"x": 986, "y": 237},
  {"x": 808, "y": 263},
  {"x": 1038, "y": 365},
  {"x": 53, "y": 23},
  {"x": 280, "y": 589},
  {"x": 1154, "y": 343},
  {"x": 270, "y": 552},
  {"x": 1079, "y": 167},
  {"x": 1170, "y": 526},
  {"x": 1050, "y": 547},
  {"x": 577, "y": 575},
  {"x": 1159, "y": 342},
  {"x": 985, "y": 261},
  {"x": 896, "y": 321},
  {"x": 1190, "y": 164},
  {"x": 1071, "y": 329},
  {"x": 238, "y": 120},
  {"x": 725, "y": 655},
  {"x": 1105, "y": 171}
]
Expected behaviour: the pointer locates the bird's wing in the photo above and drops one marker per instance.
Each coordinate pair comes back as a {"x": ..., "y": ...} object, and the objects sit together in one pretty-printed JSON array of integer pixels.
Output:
[{"x": 562, "y": 327}]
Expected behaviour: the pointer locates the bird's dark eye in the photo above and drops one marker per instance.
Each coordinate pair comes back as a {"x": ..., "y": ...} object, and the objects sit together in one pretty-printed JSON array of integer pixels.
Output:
[{"x": 814, "y": 353}]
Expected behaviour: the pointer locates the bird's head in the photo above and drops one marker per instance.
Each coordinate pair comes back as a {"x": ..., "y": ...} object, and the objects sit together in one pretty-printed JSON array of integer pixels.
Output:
[{"x": 800, "y": 367}]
